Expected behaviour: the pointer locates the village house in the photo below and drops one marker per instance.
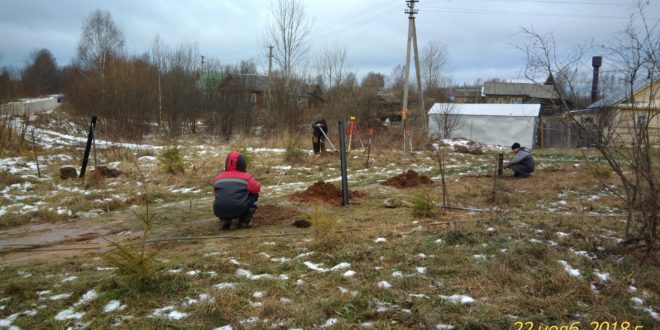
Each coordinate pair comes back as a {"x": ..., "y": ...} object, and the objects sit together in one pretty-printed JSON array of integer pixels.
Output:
[{"x": 617, "y": 117}]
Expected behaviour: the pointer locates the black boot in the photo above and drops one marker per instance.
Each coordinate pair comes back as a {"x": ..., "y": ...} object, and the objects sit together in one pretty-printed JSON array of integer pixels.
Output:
[
  {"x": 246, "y": 220},
  {"x": 226, "y": 224}
]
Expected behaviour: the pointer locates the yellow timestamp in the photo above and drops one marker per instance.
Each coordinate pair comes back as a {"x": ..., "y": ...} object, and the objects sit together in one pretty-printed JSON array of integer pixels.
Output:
[{"x": 606, "y": 325}]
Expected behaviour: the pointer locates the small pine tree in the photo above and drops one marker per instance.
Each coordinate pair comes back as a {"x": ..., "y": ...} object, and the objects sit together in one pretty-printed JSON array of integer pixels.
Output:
[
  {"x": 171, "y": 160},
  {"x": 423, "y": 203}
]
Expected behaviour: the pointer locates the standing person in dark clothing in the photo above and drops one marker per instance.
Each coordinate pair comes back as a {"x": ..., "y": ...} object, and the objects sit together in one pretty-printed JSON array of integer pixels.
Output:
[
  {"x": 318, "y": 137},
  {"x": 236, "y": 193},
  {"x": 522, "y": 163}
]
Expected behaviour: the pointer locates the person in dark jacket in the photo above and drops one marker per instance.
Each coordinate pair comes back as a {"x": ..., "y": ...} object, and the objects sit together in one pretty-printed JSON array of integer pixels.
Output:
[
  {"x": 319, "y": 131},
  {"x": 236, "y": 193},
  {"x": 522, "y": 163}
]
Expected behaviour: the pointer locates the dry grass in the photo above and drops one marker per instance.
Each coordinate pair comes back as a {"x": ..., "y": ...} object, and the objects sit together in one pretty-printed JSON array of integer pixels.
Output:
[{"x": 516, "y": 275}]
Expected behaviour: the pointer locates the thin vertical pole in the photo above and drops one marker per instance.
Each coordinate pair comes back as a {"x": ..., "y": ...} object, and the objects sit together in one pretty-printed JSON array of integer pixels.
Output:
[
  {"x": 342, "y": 155},
  {"x": 88, "y": 147}
]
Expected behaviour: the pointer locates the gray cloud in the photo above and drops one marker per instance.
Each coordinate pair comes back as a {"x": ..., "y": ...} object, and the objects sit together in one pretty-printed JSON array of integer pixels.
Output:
[{"x": 481, "y": 34}]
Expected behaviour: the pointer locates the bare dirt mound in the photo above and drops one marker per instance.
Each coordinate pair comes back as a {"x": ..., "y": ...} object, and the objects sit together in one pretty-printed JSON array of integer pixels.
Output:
[
  {"x": 324, "y": 192},
  {"x": 271, "y": 215},
  {"x": 408, "y": 180}
]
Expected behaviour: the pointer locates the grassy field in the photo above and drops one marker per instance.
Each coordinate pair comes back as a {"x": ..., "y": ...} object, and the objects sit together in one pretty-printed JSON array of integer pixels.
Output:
[{"x": 542, "y": 250}]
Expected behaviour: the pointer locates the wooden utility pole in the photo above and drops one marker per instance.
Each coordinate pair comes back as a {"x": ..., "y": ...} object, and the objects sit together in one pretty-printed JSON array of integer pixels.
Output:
[
  {"x": 270, "y": 60},
  {"x": 270, "y": 79}
]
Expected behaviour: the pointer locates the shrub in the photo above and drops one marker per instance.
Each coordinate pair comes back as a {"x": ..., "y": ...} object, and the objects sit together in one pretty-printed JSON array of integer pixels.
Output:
[
  {"x": 423, "y": 203},
  {"x": 171, "y": 160},
  {"x": 293, "y": 153},
  {"x": 324, "y": 224}
]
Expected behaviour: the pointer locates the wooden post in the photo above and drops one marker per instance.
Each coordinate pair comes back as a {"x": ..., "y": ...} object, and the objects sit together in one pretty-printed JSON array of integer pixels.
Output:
[
  {"x": 500, "y": 164},
  {"x": 36, "y": 158},
  {"x": 90, "y": 138}
]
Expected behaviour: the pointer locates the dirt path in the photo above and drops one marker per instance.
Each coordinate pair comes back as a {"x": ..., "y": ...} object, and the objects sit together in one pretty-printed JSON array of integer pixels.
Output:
[{"x": 48, "y": 240}]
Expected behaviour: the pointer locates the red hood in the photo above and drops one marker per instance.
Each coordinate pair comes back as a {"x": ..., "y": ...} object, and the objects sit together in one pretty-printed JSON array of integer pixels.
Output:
[{"x": 235, "y": 162}]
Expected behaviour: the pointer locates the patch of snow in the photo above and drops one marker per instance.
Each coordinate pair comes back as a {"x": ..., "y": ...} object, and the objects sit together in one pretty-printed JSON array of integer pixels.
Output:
[
  {"x": 652, "y": 312},
  {"x": 234, "y": 262},
  {"x": 113, "y": 305},
  {"x": 459, "y": 299},
  {"x": 380, "y": 240},
  {"x": 194, "y": 272},
  {"x": 280, "y": 260},
  {"x": 439, "y": 241},
  {"x": 637, "y": 301},
  {"x": 339, "y": 266},
  {"x": 168, "y": 312},
  {"x": 422, "y": 256},
  {"x": 87, "y": 297},
  {"x": 418, "y": 295},
  {"x": 479, "y": 257},
  {"x": 226, "y": 285},
  {"x": 251, "y": 321},
  {"x": 348, "y": 274},
  {"x": 224, "y": 327},
  {"x": 106, "y": 268},
  {"x": 69, "y": 314},
  {"x": 384, "y": 285},
  {"x": 258, "y": 294},
  {"x": 602, "y": 276},
  {"x": 491, "y": 230},
  {"x": 174, "y": 271},
  {"x": 302, "y": 255},
  {"x": 246, "y": 273},
  {"x": 329, "y": 322},
  {"x": 570, "y": 270},
  {"x": 421, "y": 270},
  {"x": 60, "y": 296},
  {"x": 441, "y": 326},
  {"x": 632, "y": 289},
  {"x": 316, "y": 267}
]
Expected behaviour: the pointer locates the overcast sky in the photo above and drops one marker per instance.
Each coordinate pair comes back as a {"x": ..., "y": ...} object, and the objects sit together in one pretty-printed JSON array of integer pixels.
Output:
[{"x": 481, "y": 35}]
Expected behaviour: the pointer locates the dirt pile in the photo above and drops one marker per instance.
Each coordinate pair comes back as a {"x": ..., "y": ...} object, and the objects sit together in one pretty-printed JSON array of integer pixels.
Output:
[
  {"x": 324, "y": 192},
  {"x": 408, "y": 180},
  {"x": 271, "y": 215}
]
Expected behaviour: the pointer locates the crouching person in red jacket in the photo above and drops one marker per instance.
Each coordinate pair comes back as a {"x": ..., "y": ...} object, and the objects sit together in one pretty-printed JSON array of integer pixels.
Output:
[{"x": 236, "y": 193}]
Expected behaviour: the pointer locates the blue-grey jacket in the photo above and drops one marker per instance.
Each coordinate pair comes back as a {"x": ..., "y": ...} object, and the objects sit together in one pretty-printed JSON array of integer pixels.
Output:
[{"x": 523, "y": 157}]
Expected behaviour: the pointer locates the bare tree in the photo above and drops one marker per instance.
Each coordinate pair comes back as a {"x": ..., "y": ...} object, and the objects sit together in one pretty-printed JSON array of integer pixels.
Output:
[
  {"x": 100, "y": 40},
  {"x": 446, "y": 119},
  {"x": 330, "y": 64},
  {"x": 287, "y": 30},
  {"x": 627, "y": 140},
  {"x": 433, "y": 62}
]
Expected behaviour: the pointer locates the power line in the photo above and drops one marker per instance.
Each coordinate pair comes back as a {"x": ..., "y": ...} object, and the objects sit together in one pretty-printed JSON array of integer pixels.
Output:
[
  {"x": 516, "y": 13},
  {"x": 334, "y": 33},
  {"x": 357, "y": 14}
]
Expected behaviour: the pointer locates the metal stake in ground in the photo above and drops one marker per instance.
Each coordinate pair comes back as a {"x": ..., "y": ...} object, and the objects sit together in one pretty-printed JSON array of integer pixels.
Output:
[
  {"x": 342, "y": 156},
  {"x": 371, "y": 133},
  {"x": 88, "y": 147},
  {"x": 34, "y": 148}
]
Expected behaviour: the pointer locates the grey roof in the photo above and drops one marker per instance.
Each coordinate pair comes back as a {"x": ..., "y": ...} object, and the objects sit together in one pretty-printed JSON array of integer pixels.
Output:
[
  {"x": 530, "y": 90},
  {"x": 253, "y": 82},
  {"x": 619, "y": 94}
]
